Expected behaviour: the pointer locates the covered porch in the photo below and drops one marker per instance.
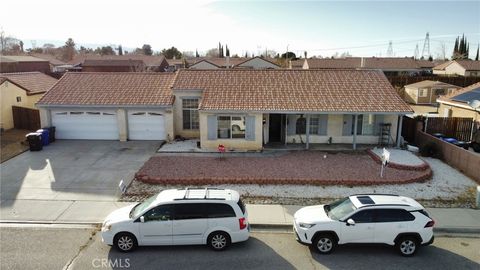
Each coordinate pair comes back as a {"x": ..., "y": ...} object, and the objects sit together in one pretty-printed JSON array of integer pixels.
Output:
[{"x": 324, "y": 131}]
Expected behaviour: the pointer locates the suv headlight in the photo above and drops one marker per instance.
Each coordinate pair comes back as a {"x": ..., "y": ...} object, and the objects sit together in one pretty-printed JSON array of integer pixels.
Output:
[{"x": 305, "y": 225}]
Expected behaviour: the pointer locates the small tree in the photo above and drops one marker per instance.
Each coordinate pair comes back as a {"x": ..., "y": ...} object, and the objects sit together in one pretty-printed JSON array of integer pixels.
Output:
[
  {"x": 120, "y": 50},
  {"x": 172, "y": 53},
  {"x": 69, "y": 50},
  {"x": 147, "y": 49}
]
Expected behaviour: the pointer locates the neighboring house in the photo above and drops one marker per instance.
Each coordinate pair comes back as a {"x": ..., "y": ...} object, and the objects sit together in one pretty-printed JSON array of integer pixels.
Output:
[
  {"x": 55, "y": 64},
  {"x": 176, "y": 64},
  {"x": 110, "y": 106},
  {"x": 119, "y": 63},
  {"x": 465, "y": 68},
  {"x": 215, "y": 62},
  {"x": 427, "y": 92},
  {"x": 22, "y": 90},
  {"x": 456, "y": 103},
  {"x": 296, "y": 64},
  {"x": 391, "y": 66},
  {"x": 258, "y": 63},
  {"x": 285, "y": 107},
  {"x": 113, "y": 65},
  {"x": 23, "y": 63}
]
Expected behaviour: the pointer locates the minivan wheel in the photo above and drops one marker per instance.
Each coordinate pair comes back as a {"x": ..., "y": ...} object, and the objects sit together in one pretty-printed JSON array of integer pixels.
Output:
[
  {"x": 407, "y": 246},
  {"x": 324, "y": 244},
  {"x": 125, "y": 242},
  {"x": 218, "y": 241}
]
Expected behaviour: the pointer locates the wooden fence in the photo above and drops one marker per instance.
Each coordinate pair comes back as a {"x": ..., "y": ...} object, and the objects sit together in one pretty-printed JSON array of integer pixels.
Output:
[
  {"x": 401, "y": 81},
  {"x": 25, "y": 118},
  {"x": 455, "y": 127}
]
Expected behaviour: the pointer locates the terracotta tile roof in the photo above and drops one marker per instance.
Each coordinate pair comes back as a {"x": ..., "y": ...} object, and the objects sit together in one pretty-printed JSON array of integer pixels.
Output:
[
  {"x": 112, "y": 62},
  {"x": 429, "y": 64},
  {"x": 22, "y": 58},
  {"x": 293, "y": 90},
  {"x": 428, "y": 83},
  {"x": 469, "y": 64},
  {"x": 298, "y": 63},
  {"x": 221, "y": 62},
  {"x": 116, "y": 88},
  {"x": 442, "y": 66},
  {"x": 457, "y": 92},
  {"x": 149, "y": 60},
  {"x": 33, "y": 82},
  {"x": 50, "y": 58},
  {"x": 328, "y": 63},
  {"x": 391, "y": 63},
  {"x": 266, "y": 59}
]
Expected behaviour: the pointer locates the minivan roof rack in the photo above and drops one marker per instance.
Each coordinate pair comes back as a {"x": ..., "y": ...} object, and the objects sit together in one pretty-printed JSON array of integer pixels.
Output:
[{"x": 207, "y": 189}]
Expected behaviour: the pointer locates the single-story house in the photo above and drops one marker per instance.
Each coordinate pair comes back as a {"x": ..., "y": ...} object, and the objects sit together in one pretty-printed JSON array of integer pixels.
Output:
[
  {"x": 233, "y": 62},
  {"x": 391, "y": 66},
  {"x": 23, "y": 63},
  {"x": 239, "y": 108},
  {"x": 456, "y": 104},
  {"x": 22, "y": 90},
  {"x": 113, "y": 65},
  {"x": 258, "y": 63},
  {"x": 427, "y": 92},
  {"x": 56, "y": 65},
  {"x": 119, "y": 63},
  {"x": 110, "y": 106},
  {"x": 466, "y": 68},
  {"x": 247, "y": 109}
]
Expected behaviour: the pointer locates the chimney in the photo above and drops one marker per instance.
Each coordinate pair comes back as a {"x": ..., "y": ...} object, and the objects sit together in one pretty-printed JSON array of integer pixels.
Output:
[
  {"x": 289, "y": 64},
  {"x": 362, "y": 62},
  {"x": 227, "y": 61}
]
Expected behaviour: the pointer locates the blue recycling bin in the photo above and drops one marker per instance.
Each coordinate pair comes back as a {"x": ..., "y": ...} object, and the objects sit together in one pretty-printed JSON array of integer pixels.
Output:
[{"x": 45, "y": 136}]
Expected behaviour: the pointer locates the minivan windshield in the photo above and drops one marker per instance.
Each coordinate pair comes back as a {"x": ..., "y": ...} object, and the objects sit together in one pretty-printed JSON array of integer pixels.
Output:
[
  {"x": 139, "y": 208},
  {"x": 340, "y": 209}
]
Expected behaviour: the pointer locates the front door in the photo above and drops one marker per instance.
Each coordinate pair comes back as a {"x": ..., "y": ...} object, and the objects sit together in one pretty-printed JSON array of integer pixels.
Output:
[
  {"x": 157, "y": 228},
  {"x": 275, "y": 128}
]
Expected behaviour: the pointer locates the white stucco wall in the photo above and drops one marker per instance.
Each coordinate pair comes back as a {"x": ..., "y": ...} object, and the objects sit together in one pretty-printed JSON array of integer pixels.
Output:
[{"x": 203, "y": 65}]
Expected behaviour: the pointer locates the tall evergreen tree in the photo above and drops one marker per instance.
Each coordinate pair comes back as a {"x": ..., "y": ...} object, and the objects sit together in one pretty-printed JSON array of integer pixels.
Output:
[
  {"x": 196, "y": 53},
  {"x": 455, "y": 49},
  {"x": 219, "y": 50},
  {"x": 227, "y": 51},
  {"x": 120, "y": 50},
  {"x": 476, "y": 57}
]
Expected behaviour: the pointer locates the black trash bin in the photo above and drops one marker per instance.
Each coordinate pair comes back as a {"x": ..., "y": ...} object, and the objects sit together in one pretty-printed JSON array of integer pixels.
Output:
[
  {"x": 51, "y": 134},
  {"x": 35, "y": 141}
]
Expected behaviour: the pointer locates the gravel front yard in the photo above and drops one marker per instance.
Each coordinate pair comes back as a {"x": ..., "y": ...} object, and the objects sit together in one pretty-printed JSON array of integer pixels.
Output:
[
  {"x": 310, "y": 168},
  {"x": 447, "y": 188}
]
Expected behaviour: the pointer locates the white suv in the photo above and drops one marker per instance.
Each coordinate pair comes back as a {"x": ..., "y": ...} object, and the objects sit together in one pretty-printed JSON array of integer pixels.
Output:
[
  {"x": 216, "y": 217},
  {"x": 371, "y": 218}
]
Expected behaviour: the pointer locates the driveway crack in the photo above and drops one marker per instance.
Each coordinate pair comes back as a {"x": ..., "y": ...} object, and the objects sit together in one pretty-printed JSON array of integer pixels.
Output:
[{"x": 83, "y": 247}]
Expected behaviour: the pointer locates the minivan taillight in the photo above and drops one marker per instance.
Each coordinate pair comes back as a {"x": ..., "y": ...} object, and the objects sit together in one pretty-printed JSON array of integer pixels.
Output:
[
  {"x": 430, "y": 224},
  {"x": 243, "y": 223}
]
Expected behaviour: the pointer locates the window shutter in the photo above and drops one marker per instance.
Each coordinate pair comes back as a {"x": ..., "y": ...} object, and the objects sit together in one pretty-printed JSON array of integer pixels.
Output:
[
  {"x": 347, "y": 125},
  {"x": 212, "y": 127},
  {"x": 250, "y": 128},
  {"x": 323, "y": 124}
]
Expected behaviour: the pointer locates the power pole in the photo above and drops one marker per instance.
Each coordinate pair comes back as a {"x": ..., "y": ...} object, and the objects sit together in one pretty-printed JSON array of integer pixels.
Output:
[
  {"x": 426, "y": 46},
  {"x": 390, "y": 49},
  {"x": 416, "y": 52}
]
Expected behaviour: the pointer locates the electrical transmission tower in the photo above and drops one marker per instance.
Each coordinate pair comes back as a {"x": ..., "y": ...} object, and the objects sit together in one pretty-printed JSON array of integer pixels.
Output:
[
  {"x": 390, "y": 49},
  {"x": 426, "y": 46},
  {"x": 416, "y": 52}
]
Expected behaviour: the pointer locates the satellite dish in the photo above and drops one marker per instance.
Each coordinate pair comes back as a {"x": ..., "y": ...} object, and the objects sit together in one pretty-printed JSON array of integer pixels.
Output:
[{"x": 474, "y": 103}]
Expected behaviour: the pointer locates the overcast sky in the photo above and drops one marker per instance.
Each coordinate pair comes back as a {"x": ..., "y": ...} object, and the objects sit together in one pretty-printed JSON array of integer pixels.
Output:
[{"x": 363, "y": 28}]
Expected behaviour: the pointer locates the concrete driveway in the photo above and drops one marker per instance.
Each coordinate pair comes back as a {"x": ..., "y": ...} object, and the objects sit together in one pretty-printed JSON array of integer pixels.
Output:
[{"x": 71, "y": 171}]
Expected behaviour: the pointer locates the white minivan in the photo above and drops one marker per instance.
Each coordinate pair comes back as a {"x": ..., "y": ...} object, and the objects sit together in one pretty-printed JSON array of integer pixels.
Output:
[{"x": 191, "y": 216}]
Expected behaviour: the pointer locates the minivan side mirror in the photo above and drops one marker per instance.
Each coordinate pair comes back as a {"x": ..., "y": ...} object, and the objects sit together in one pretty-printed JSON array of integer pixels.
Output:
[
  {"x": 142, "y": 219},
  {"x": 350, "y": 222}
]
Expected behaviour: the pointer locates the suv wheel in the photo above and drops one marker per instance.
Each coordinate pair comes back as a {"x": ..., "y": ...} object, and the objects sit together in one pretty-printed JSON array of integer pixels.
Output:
[
  {"x": 324, "y": 244},
  {"x": 218, "y": 241},
  {"x": 407, "y": 246},
  {"x": 125, "y": 242}
]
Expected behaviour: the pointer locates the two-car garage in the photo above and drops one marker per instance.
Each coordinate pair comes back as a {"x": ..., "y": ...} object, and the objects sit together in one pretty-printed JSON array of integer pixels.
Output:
[{"x": 103, "y": 124}]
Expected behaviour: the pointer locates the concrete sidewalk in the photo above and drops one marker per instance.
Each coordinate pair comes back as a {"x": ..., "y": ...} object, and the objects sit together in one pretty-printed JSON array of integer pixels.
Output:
[{"x": 447, "y": 220}]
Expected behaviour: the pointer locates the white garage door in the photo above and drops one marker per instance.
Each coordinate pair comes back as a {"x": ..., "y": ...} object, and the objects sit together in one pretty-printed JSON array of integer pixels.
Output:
[
  {"x": 85, "y": 125},
  {"x": 146, "y": 125}
]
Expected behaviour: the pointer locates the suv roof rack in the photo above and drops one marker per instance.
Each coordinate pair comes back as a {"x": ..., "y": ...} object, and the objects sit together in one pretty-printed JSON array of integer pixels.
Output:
[
  {"x": 206, "y": 196},
  {"x": 386, "y": 204},
  {"x": 376, "y": 194}
]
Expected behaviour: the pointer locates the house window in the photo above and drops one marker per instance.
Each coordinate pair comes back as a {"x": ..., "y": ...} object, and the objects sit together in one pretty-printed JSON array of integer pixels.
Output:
[
  {"x": 314, "y": 125},
  {"x": 440, "y": 91},
  {"x": 231, "y": 127},
  {"x": 190, "y": 113},
  {"x": 19, "y": 99},
  {"x": 368, "y": 124},
  {"x": 422, "y": 92}
]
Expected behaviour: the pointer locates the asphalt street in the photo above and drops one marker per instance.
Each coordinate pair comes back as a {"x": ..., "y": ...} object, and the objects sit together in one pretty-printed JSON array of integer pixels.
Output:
[{"x": 81, "y": 248}]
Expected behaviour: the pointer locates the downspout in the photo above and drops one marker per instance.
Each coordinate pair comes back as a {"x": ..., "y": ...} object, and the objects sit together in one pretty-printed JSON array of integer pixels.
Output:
[{"x": 307, "y": 135}]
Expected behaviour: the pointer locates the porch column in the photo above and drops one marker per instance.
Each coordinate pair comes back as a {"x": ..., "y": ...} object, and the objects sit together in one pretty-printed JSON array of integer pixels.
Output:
[
  {"x": 307, "y": 135},
  {"x": 399, "y": 130},
  {"x": 286, "y": 128},
  {"x": 355, "y": 126}
]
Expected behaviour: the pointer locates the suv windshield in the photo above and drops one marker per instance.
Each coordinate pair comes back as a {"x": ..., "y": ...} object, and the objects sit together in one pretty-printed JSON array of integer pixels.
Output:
[
  {"x": 340, "y": 208},
  {"x": 139, "y": 208}
]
